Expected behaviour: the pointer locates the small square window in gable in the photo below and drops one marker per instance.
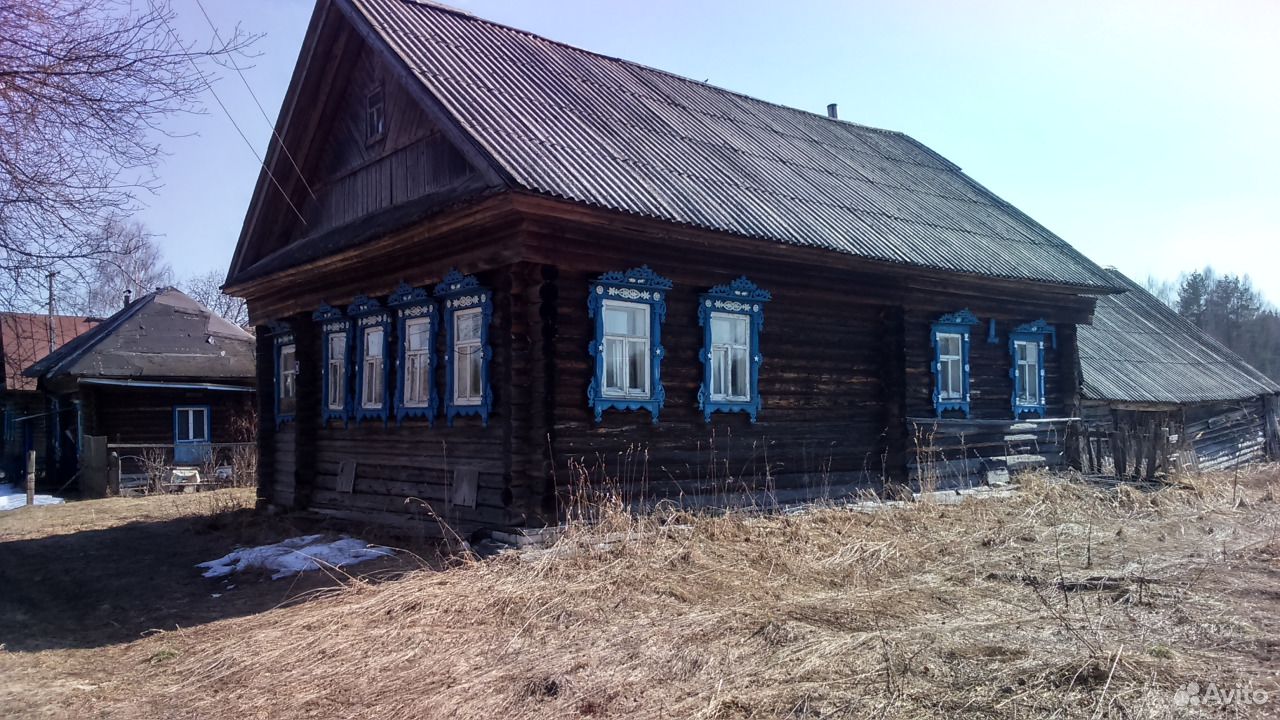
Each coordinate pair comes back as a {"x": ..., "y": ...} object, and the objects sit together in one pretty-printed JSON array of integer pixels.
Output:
[{"x": 375, "y": 114}]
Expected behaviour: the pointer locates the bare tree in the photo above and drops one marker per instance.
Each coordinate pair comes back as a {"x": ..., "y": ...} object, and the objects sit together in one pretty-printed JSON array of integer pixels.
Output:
[
  {"x": 85, "y": 86},
  {"x": 135, "y": 264},
  {"x": 206, "y": 289}
]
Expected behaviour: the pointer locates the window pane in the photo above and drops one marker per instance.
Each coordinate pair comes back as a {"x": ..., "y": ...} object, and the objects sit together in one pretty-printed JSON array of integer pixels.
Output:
[
  {"x": 719, "y": 373},
  {"x": 637, "y": 367},
  {"x": 474, "y": 376},
  {"x": 955, "y": 382},
  {"x": 949, "y": 345},
  {"x": 198, "y": 422},
  {"x": 417, "y": 331},
  {"x": 373, "y": 342},
  {"x": 461, "y": 377},
  {"x": 614, "y": 364},
  {"x": 720, "y": 329},
  {"x": 626, "y": 320},
  {"x": 337, "y": 346},
  {"x": 184, "y": 425},
  {"x": 467, "y": 326},
  {"x": 738, "y": 373}
]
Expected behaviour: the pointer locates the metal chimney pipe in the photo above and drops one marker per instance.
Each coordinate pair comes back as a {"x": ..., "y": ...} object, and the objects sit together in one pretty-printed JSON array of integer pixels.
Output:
[
  {"x": 832, "y": 113},
  {"x": 128, "y": 297}
]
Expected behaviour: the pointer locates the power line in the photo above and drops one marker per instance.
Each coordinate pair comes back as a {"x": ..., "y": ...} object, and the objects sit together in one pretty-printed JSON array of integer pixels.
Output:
[
  {"x": 252, "y": 94},
  {"x": 227, "y": 112}
]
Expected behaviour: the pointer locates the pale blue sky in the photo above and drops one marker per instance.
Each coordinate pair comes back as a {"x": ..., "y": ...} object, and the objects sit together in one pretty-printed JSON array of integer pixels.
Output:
[{"x": 1147, "y": 134}]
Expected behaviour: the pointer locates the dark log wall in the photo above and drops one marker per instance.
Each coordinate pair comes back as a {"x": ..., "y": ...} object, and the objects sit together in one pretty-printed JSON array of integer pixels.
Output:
[
  {"x": 145, "y": 415},
  {"x": 824, "y": 415},
  {"x": 406, "y": 472},
  {"x": 991, "y": 387}
]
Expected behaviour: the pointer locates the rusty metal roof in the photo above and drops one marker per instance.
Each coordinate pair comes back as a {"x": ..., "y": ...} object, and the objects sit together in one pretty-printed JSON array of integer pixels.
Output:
[
  {"x": 572, "y": 124},
  {"x": 1140, "y": 350},
  {"x": 26, "y": 338}
]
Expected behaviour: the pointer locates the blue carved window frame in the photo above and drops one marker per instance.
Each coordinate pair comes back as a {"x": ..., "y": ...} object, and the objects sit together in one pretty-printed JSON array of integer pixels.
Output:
[
  {"x": 281, "y": 337},
  {"x": 1032, "y": 332},
  {"x": 745, "y": 299},
  {"x": 458, "y": 293},
  {"x": 366, "y": 314},
  {"x": 411, "y": 303},
  {"x": 331, "y": 322},
  {"x": 957, "y": 323},
  {"x": 641, "y": 286}
]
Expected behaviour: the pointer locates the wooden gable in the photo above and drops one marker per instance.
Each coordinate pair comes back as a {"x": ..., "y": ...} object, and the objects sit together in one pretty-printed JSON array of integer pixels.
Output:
[{"x": 350, "y": 175}]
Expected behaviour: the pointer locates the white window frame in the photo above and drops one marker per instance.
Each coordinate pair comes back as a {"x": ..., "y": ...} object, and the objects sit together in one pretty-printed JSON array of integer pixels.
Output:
[
  {"x": 944, "y": 367},
  {"x": 1027, "y": 371},
  {"x": 190, "y": 412},
  {"x": 373, "y": 368},
  {"x": 288, "y": 379},
  {"x": 722, "y": 371},
  {"x": 424, "y": 362},
  {"x": 336, "y": 372},
  {"x": 462, "y": 350},
  {"x": 626, "y": 341}
]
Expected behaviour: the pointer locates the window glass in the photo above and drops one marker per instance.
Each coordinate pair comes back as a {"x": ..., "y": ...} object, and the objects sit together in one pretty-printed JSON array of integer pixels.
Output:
[
  {"x": 417, "y": 362},
  {"x": 288, "y": 379},
  {"x": 951, "y": 366},
  {"x": 468, "y": 379},
  {"x": 337, "y": 370},
  {"x": 372, "y": 386},
  {"x": 418, "y": 331},
  {"x": 730, "y": 355},
  {"x": 626, "y": 350},
  {"x": 192, "y": 425},
  {"x": 1028, "y": 368}
]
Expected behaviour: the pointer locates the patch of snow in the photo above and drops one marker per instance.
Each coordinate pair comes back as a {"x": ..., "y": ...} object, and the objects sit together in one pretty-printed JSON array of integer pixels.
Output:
[
  {"x": 295, "y": 555},
  {"x": 11, "y": 498}
]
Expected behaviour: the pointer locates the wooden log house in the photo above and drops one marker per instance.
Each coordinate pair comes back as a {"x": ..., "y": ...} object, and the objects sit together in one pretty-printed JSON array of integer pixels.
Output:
[{"x": 505, "y": 267}]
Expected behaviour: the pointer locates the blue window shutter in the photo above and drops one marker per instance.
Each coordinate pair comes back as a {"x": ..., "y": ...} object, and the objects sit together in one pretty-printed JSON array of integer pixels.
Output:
[
  {"x": 331, "y": 321},
  {"x": 458, "y": 292},
  {"x": 640, "y": 286},
  {"x": 411, "y": 303},
  {"x": 367, "y": 313},
  {"x": 957, "y": 323},
  {"x": 743, "y": 298}
]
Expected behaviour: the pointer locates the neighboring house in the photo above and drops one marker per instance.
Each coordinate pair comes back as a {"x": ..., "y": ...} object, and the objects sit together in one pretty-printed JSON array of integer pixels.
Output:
[
  {"x": 31, "y": 422},
  {"x": 163, "y": 372},
  {"x": 1154, "y": 384},
  {"x": 515, "y": 266}
]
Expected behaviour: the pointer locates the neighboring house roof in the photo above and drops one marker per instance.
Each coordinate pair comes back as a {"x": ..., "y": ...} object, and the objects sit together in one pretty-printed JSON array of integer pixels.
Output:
[
  {"x": 25, "y": 338},
  {"x": 572, "y": 124},
  {"x": 1140, "y": 350},
  {"x": 163, "y": 334}
]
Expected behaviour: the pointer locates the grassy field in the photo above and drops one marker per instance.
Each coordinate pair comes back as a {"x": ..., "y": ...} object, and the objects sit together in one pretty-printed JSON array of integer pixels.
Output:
[{"x": 1065, "y": 600}]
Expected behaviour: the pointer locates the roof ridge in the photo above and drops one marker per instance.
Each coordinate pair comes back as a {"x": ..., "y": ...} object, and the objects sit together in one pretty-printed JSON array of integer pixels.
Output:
[{"x": 511, "y": 28}]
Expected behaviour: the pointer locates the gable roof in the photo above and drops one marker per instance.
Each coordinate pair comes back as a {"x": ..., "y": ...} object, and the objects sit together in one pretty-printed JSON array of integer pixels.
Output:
[
  {"x": 25, "y": 339},
  {"x": 163, "y": 334},
  {"x": 573, "y": 124},
  {"x": 1140, "y": 350}
]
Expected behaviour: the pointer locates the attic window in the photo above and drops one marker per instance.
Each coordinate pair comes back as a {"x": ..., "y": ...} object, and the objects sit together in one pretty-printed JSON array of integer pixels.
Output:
[{"x": 375, "y": 115}]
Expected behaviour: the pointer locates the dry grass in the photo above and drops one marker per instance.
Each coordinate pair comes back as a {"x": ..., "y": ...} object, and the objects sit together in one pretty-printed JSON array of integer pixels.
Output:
[{"x": 922, "y": 610}]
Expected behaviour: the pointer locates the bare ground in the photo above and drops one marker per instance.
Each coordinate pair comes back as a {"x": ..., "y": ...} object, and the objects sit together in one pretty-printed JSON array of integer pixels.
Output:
[{"x": 1065, "y": 600}]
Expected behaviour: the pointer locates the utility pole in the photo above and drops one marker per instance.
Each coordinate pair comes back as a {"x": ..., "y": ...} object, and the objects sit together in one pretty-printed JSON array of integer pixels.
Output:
[{"x": 53, "y": 326}]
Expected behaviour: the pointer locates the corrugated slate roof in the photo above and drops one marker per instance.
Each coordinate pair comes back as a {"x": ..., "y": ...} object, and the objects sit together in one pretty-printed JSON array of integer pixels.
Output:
[
  {"x": 573, "y": 124},
  {"x": 1140, "y": 350},
  {"x": 163, "y": 334},
  {"x": 25, "y": 340}
]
